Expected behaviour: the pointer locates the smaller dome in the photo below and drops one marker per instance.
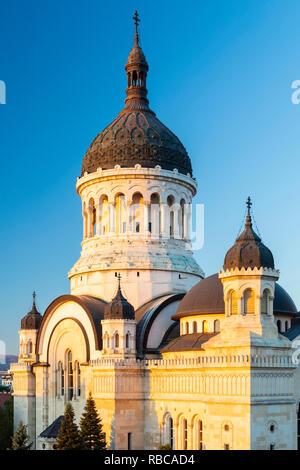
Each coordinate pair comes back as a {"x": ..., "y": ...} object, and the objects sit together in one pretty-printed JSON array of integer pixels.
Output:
[
  {"x": 136, "y": 56},
  {"x": 248, "y": 250},
  {"x": 33, "y": 319},
  {"x": 206, "y": 297},
  {"x": 119, "y": 308}
]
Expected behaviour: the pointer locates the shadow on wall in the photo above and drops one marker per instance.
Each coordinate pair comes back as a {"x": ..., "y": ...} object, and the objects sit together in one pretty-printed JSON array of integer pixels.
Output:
[{"x": 152, "y": 434}]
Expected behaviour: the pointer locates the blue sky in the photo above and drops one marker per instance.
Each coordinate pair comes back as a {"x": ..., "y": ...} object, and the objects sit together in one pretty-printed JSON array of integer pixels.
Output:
[{"x": 220, "y": 78}]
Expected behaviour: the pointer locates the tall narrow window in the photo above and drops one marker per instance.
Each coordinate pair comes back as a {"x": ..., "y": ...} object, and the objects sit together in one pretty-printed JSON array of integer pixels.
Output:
[
  {"x": 264, "y": 302},
  {"x": 216, "y": 326},
  {"x": 200, "y": 435},
  {"x": 129, "y": 441},
  {"x": 104, "y": 215},
  {"x": 137, "y": 213},
  {"x": 78, "y": 379},
  {"x": 249, "y": 302},
  {"x": 171, "y": 428},
  {"x": 121, "y": 214},
  {"x": 185, "y": 434},
  {"x": 205, "y": 326},
  {"x": 29, "y": 347},
  {"x": 194, "y": 327},
  {"x": 170, "y": 214},
  {"x": 116, "y": 340},
  {"x": 279, "y": 326},
  {"x": 62, "y": 379},
  {"x": 233, "y": 303},
  {"x": 70, "y": 376},
  {"x": 186, "y": 328},
  {"x": 127, "y": 341},
  {"x": 155, "y": 215}
]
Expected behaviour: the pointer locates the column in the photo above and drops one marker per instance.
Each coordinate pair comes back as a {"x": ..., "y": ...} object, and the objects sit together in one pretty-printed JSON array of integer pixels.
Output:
[
  {"x": 147, "y": 218},
  {"x": 176, "y": 208},
  {"x": 165, "y": 221}
]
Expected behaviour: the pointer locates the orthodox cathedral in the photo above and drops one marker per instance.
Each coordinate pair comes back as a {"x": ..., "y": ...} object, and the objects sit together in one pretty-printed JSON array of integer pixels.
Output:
[{"x": 170, "y": 357}]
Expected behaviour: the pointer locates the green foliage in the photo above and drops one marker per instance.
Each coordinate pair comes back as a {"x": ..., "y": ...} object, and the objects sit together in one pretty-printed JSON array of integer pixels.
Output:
[
  {"x": 93, "y": 438},
  {"x": 4, "y": 388},
  {"x": 6, "y": 424},
  {"x": 165, "y": 447},
  {"x": 20, "y": 439},
  {"x": 68, "y": 436}
]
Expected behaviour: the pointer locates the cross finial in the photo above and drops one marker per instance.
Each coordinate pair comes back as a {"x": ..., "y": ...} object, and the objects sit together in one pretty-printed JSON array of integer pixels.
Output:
[
  {"x": 249, "y": 204},
  {"x": 136, "y": 22},
  {"x": 34, "y": 296}
]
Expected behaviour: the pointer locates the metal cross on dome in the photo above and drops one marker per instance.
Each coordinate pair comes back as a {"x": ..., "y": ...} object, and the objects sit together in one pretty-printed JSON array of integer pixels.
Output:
[
  {"x": 249, "y": 204},
  {"x": 136, "y": 20}
]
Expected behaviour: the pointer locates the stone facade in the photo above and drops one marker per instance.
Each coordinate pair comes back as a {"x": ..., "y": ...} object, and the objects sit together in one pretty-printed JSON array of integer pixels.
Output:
[{"x": 217, "y": 375}]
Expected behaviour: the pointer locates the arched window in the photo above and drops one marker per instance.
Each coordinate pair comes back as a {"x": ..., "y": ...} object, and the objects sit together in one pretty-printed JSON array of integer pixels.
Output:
[
  {"x": 279, "y": 326},
  {"x": 121, "y": 214},
  {"x": 92, "y": 214},
  {"x": 70, "y": 375},
  {"x": 29, "y": 347},
  {"x": 265, "y": 302},
  {"x": 168, "y": 431},
  {"x": 233, "y": 303},
  {"x": 170, "y": 215},
  {"x": 134, "y": 78},
  {"x": 194, "y": 327},
  {"x": 127, "y": 341},
  {"x": 104, "y": 215},
  {"x": 116, "y": 340},
  {"x": 155, "y": 215},
  {"x": 216, "y": 326},
  {"x": 249, "y": 302},
  {"x": 137, "y": 213},
  {"x": 186, "y": 328},
  {"x": 205, "y": 326},
  {"x": 181, "y": 219}
]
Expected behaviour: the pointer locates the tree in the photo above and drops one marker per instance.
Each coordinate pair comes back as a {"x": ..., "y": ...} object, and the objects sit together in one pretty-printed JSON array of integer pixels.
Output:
[
  {"x": 68, "y": 435},
  {"x": 20, "y": 439},
  {"x": 6, "y": 424},
  {"x": 92, "y": 435}
]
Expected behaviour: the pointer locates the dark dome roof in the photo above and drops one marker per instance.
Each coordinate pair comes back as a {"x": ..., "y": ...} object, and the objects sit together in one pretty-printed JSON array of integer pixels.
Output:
[
  {"x": 206, "y": 297},
  {"x": 33, "y": 319},
  {"x": 136, "y": 136},
  {"x": 119, "y": 308},
  {"x": 248, "y": 250}
]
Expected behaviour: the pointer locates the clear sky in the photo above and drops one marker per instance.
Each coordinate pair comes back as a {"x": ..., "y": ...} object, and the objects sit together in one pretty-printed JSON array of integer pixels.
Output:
[{"x": 220, "y": 78}]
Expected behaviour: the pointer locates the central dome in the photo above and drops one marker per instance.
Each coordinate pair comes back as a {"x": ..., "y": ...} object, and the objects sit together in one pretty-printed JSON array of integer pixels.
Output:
[{"x": 136, "y": 136}]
